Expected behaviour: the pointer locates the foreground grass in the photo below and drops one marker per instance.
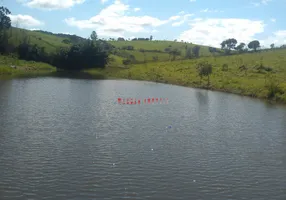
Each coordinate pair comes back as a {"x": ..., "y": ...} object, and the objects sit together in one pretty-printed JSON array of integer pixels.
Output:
[{"x": 252, "y": 82}]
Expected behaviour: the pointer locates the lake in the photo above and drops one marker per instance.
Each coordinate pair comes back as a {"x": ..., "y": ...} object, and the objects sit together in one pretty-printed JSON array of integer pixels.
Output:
[{"x": 64, "y": 138}]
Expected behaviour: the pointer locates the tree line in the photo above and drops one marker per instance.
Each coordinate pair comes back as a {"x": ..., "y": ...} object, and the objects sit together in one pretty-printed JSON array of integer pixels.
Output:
[{"x": 86, "y": 53}]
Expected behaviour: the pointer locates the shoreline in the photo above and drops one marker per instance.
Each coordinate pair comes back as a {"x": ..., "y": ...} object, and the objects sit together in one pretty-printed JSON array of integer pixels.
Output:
[
  {"x": 105, "y": 75},
  {"x": 266, "y": 100}
]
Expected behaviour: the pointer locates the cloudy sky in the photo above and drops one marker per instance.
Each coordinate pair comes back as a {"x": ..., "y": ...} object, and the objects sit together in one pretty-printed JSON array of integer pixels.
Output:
[{"x": 206, "y": 22}]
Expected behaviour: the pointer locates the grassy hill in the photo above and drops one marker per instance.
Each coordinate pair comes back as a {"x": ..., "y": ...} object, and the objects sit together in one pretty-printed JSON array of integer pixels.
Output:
[{"x": 51, "y": 41}]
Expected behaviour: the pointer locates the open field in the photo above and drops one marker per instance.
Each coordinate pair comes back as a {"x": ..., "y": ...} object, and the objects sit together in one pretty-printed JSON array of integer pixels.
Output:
[{"x": 256, "y": 81}]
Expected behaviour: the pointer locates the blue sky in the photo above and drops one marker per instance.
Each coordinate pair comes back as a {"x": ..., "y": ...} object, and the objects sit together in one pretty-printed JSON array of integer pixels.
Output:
[{"x": 206, "y": 22}]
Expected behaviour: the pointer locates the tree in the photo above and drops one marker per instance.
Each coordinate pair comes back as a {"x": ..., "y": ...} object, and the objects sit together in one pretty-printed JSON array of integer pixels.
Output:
[
  {"x": 212, "y": 50},
  {"x": 188, "y": 53},
  {"x": 205, "y": 69},
  {"x": 174, "y": 53},
  {"x": 151, "y": 38},
  {"x": 5, "y": 21},
  {"x": 254, "y": 44},
  {"x": 5, "y": 24},
  {"x": 272, "y": 46},
  {"x": 196, "y": 51},
  {"x": 229, "y": 44},
  {"x": 93, "y": 36},
  {"x": 240, "y": 47}
]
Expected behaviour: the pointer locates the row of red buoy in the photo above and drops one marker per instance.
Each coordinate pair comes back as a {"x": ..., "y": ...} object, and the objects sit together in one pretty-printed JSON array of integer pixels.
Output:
[{"x": 133, "y": 101}]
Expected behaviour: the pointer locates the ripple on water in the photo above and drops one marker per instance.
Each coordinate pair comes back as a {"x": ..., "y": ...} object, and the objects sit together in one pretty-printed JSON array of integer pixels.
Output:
[{"x": 57, "y": 142}]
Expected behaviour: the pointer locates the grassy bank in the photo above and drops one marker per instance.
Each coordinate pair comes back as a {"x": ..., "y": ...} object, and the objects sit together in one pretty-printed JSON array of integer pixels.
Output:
[
  {"x": 265, "y": 76},
  {"x": 12, "y": 67},
  {"x": 264, "y": 73}
]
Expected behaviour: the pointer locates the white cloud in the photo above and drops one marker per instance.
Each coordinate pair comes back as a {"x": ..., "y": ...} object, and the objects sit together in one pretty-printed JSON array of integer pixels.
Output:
[
  {"x": 193, "y": 0},
  {"x": 278, "y": 38},
  {"x": 52, "y": 4},
  {"x": 173, "y": 18},
  {"x": 114, "y": 21},
  {"x": 213, "y": 31},
  {"x": 262, "y": 2},
  {"x": 183, "y": 20},
  {"x": 136, "y": 9},
  {"x": 25, "y": 21},
  {"x": 103, "y": 1},
  {"x": 273, "y": 19},
  {"x": 210, "y": 11}
]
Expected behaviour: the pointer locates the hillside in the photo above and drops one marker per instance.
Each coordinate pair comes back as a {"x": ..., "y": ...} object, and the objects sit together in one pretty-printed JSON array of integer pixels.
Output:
[
  {"x": 153, "y": 50},
  {"x": 263, "y": 74}
]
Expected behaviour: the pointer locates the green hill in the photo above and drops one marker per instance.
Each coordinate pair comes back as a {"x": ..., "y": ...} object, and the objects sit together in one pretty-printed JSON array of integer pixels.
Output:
[{"x": 153, "y": 50}]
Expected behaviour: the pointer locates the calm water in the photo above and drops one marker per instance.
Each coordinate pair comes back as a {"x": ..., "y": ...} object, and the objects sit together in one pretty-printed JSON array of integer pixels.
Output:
[{"x": 64, "y": 138}]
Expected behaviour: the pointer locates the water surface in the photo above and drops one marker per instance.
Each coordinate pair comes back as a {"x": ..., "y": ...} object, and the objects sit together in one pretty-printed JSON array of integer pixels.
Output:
[{"x": 63, "y": 138}]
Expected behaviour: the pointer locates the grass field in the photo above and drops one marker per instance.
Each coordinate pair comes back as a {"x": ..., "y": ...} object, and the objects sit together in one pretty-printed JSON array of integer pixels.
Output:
[
  {"x": 22, "y": 67},
  {"x": 253, "y": 82}
]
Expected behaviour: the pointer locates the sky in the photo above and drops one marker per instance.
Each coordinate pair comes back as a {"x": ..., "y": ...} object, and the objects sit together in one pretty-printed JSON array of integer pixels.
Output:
[{"x": 205, "y": 22}]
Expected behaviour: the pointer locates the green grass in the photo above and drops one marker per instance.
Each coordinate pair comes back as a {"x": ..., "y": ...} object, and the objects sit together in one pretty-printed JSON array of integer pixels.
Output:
[
  {"x": 253, "y": 83},
  {"x": 156, "y": 45},
  {"x": 22, "y": 67},
  {"x": 49, "y": 42}
]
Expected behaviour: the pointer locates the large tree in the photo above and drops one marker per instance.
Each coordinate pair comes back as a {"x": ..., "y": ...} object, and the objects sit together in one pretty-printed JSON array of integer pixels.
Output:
[
  {"x": 93, "y": 36},
  {"x": 5, "y": 21},
  {"x": 196, "y": 51},
  {"x": 255, "y": 44},
  {"x": 229, "y": 44},
  {"x": 240, "y": 47}
]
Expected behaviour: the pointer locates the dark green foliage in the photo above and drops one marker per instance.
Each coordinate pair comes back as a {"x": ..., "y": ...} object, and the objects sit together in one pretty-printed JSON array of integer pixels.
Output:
[
  {"x": 81, "y": 56},
  {"x": 224, "y": 67},
  {"x": 120, "y": 39},
  {"x": 228, "y": 45},
  {"x": 126, "y": 62},
  {"x": 273, "y": 86},
  {"x": 66, "y": 41},
  {"x": 188, "y": 53},
  {"x": 212, "y": 50},
  {"x": 93, "y": 36},
  {"x": 144, "y": 39},
  {"x": 167, "y": 49},
  {"x": 5, "y": 21},
  {"x": 262, "y": 69},
  {"x": 174, "y": 53},
  {"x": 240, "y": 47},
  {"x": 127, "y": 48},
  {"x": 155, "y": 58},
  {"x": 205, "y": 69},
  {"x": 255, "y": 44},
  {"x": 196, "y": 51}
]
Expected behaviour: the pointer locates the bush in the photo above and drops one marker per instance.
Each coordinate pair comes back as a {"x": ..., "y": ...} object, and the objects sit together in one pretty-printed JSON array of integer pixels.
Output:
[{"x": 224, "y": 67}]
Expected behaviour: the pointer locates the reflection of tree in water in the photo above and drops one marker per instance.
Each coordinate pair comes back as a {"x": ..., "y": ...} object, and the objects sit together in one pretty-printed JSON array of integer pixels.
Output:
[
  {"x": 5, "y": 95},
  {"x": 202, "y": 97}
]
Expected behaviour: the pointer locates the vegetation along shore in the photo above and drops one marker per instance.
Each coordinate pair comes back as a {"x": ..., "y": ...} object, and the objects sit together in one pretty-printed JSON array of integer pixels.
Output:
[{"x": 245, "y": 69}]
